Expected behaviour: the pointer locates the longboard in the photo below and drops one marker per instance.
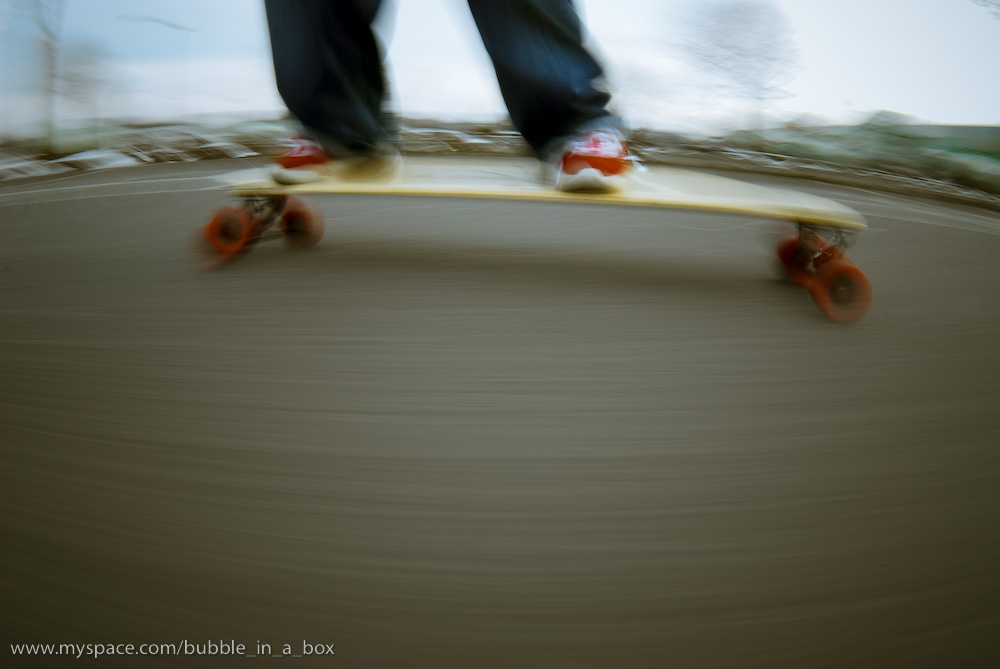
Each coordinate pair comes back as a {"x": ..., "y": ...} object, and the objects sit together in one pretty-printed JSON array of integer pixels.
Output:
[
  {"x": 814, "y": 258},
  {"x": 500, "y": 177}
]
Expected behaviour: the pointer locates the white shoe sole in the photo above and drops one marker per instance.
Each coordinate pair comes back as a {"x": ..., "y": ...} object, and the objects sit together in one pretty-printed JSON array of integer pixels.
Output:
[
  {"x": 378, "y": 167},
  {"x": 299, "y": 175},
  {"x": 589, "y": 180}
]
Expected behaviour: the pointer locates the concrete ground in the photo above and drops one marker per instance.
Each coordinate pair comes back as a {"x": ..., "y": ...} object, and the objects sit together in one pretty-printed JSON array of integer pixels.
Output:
[{"x": 494, "y": 433}]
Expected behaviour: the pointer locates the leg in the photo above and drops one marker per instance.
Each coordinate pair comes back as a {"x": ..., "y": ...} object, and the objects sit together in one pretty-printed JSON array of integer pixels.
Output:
[
  {"x": 548, "y": 79},
  {"x": 328, "y": 67}
]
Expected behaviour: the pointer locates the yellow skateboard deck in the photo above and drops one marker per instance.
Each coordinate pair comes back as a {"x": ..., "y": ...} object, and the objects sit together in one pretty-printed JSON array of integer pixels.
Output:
[
  {"x": 813, "y": 258},
  {"x": 505, "y": 177}
]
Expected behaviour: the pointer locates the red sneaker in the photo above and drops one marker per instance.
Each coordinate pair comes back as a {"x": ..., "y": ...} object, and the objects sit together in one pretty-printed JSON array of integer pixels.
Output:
[
  {"x": 302, "y": 152},
  {"x": 303, "y": 160},
  {"x": 595, "y": 162}
]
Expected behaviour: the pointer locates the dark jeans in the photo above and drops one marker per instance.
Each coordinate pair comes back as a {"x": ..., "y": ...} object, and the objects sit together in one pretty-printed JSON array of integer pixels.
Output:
[{"x": 328, "y": 67}]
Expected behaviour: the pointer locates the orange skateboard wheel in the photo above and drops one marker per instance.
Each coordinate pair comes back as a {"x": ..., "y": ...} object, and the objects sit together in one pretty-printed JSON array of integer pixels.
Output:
[
  {"x": 231, "y": 231},
  {"x": 796, "y": 258},
  {"x": 841, "y": 291},
  {"x": 302, "y": 225}
]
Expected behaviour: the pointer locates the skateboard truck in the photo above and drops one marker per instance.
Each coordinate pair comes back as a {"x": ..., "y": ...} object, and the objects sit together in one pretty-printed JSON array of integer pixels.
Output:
[
  {"x": 233, "y": 231},
  {"x": 818, "y": 262},
  {"x": 266, "y": 209}
]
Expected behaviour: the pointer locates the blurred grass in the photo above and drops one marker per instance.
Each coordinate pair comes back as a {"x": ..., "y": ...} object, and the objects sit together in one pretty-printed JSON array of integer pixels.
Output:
[{"x": 888, "y": 143}]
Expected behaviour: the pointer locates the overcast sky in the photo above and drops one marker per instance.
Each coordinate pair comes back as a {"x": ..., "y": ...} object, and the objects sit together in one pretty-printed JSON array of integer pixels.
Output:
[{"x": 932, "y": 59}]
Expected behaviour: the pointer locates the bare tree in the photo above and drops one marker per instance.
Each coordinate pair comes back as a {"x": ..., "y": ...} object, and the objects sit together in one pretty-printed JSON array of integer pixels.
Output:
[
  {"x": 86, "y": 78},
  {"x": 746, "y": 46},
  {"x": 992, "y": 5},
  {"x": 48, "y": 15},
  {"x": 84, "y": 71}
]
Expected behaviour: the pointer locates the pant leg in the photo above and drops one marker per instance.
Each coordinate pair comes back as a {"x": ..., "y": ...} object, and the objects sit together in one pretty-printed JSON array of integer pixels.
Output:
[
  {"x": 328, "y": 67},
  {"x": 549, "y": 81}
]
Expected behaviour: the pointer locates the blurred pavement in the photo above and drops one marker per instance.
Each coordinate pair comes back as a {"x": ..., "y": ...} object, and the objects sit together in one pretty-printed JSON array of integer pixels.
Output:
[{"x": 494, "y": 433}]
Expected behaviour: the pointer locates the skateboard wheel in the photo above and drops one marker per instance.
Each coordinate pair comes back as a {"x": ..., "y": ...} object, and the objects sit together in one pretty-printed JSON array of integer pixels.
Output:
[
  {"x": 303, "y": 226},
  {"x": 841, "y": 291},
  {"x": 796, "y": 257},
  {"x": 231, "y": 231},
  {"x": 794, "y": 254}
]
